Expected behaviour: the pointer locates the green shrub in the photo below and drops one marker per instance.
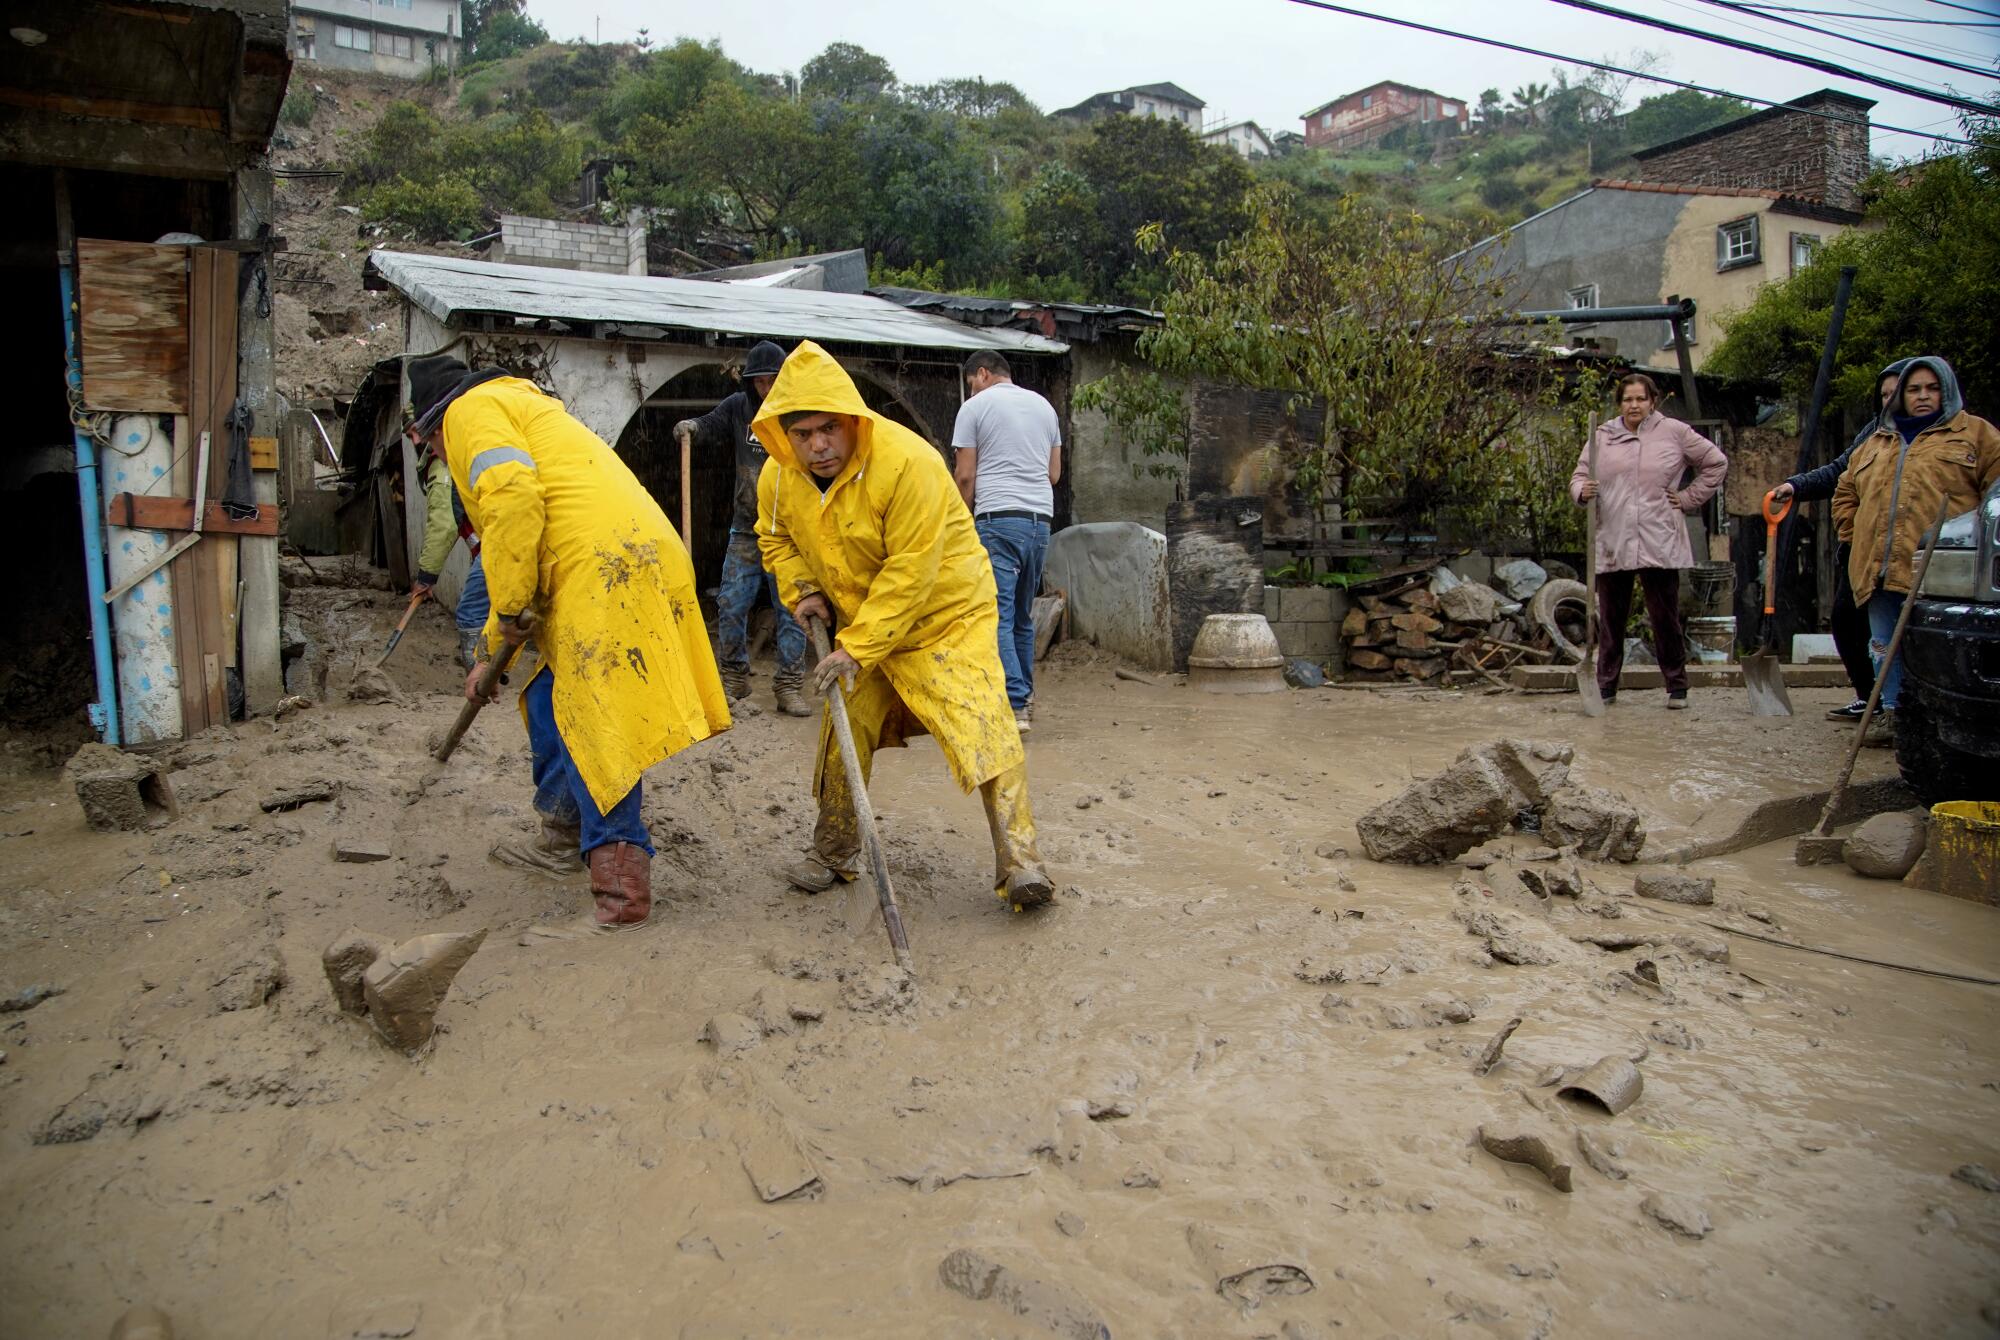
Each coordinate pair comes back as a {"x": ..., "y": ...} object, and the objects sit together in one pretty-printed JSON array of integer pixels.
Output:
[
  {"x": 298, "y": 107},
  {"x": 446, "y": 207}
]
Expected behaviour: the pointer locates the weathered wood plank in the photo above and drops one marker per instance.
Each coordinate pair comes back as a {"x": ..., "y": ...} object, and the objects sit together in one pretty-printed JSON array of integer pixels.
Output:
[
  {"x": 140, "y": 511},
  {"x": 134, "y": 325}
]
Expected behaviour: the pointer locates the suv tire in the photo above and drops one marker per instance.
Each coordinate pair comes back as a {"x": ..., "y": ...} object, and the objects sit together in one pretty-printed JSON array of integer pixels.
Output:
[{"x": 1936, "y": 771}]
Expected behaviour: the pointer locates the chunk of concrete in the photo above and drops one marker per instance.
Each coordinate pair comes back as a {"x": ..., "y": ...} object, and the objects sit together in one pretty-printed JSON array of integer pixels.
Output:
[
  {"x": 119, "y": 791},
  {"x": 361, "y": 850},
  {"x": 1470, "y": 603},
  {"x": 405, "y": 987},
  {"x": 1051, "y": 1307},
  {"x": 1474, "y": 799},
  {"x": 1679, "y": 1214},
  {"x": 1671, "y": 887},
  {"x": 346, "y": 960},
  {"x": 1600, "y": 824},
  {"x": 1887, "y": 846}
]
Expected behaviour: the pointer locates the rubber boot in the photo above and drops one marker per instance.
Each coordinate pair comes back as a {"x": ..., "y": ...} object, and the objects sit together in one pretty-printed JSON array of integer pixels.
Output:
[
  {"x": 554, "y": 852},
  {"x": 621, "y": 880},
  {"x": 812, "y": 876},
  {"x": 789, "y": 686},
  {"x": 468, "y": 647},
  {"x": 735, "y": 683}
]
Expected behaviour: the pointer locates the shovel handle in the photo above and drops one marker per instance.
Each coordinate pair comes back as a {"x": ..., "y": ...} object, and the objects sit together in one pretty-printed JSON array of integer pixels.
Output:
[
  {"x": 1771, "y": 521},
  {"x": 489, "y": 685}
]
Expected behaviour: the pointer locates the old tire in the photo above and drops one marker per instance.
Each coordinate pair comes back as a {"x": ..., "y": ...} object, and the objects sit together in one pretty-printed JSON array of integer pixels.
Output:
[
  {"x": 1934, "y": 769},
  {"x": 1542, "y": 608}
]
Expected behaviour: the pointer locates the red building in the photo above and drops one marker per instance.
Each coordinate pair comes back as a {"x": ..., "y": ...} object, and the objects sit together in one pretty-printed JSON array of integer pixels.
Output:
[{"x": 1364, "y": 116}]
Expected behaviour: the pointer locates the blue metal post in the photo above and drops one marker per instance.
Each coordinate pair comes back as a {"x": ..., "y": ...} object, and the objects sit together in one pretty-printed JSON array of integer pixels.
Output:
[{"x": 104, "y": 711}]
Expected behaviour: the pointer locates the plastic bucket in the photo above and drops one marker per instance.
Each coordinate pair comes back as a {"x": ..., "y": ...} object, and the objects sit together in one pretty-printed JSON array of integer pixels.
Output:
[
  {"x": 1711, "y": 587},
  {"x": 1711, "y": 639},
  {"x": 1966, "y": 838}
]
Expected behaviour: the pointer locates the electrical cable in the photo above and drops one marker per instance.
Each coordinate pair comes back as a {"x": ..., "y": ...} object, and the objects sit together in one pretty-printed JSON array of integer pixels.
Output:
[
  {"x": 1516, "y": 47},
  {"x": 1872, "y": 18},
  {"x": 1751, "y": 28},
  {"x": 1984, "y": 13},
  {"x": 1858, "y": 41},
  {"x": 1757, "y": 48}
]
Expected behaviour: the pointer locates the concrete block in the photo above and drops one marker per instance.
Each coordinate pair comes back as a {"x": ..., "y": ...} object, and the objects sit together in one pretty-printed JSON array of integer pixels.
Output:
[
  {"x": 1306, "y": 604},
  {"x": 1272, "y": 599},
  {"x": 1318, "y": 638},
  {"x": 1288, "y": 636}
]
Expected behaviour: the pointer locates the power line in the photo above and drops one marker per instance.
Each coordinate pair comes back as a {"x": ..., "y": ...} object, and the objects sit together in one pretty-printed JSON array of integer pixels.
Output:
[
  {"x": 1810, "y": 62},
  {"x": 1734, "y": 5},
  {"x": 1751, "y": 28},
  {"x": 1983, "y": 13},
  {"x": 1874, "y": 18},
  {"x": 1414, "y": 26},
  {"x": 1846, "y": 22}
]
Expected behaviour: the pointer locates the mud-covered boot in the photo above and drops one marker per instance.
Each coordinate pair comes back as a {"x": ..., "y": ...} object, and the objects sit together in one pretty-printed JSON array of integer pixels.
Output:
[
  {"x": 789, "y": 686},
  {"x": 814, "y": 876},
  {"x": 1025, "y": 889},
  {"x": 554, "y": 852},
  {"x": 621, "y": 880},
  {"x": 735, "y": 683},
  {"x": 468, "y": 647}
]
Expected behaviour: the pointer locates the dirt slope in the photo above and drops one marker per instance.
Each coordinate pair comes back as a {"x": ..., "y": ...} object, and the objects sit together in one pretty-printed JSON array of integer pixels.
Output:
[{"x": 1226, "y": 1031}]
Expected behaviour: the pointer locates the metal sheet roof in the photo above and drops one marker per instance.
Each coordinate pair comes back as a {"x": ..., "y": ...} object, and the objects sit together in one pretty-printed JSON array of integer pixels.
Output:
[{"x": 451, "y": 289}]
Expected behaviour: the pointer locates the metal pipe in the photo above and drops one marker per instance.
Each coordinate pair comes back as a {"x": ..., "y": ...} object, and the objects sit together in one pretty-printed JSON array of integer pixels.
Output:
[
  {"x": 103, "y": 712},
  {"x": 1589, "y": 317}
]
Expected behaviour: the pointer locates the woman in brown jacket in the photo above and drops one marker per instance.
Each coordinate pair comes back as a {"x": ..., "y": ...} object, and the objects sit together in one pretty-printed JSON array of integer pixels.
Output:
[
  {"x": 1928, "y": 450},
  {"x": 1642, "y": 525}
]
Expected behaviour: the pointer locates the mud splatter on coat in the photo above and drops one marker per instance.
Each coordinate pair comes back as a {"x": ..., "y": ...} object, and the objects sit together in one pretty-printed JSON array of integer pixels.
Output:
[{"x": 566, "y": 526}]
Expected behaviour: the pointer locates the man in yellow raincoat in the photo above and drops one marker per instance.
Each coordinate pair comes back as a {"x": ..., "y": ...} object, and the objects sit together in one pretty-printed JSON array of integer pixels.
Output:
[
  {"x": 857, "y": 517},
  {"x": 626, "y": 677}
]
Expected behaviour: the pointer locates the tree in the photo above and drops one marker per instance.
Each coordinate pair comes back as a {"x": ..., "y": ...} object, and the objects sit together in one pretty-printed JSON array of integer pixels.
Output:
[
  {"x": 1927, "y": 280},
  {"x": 1130, "y": 172},
  {"x": 1669, "y": 116},
  {"x": 929, "y": 194},
  {"x": 976, "y": 99},
  {"x": 497, "y": 29},
  {"x": 1490, "y": 115},
  {"x": 668, "y": 84},
  {"x": 845, "y": 72},
  {"x": 1425, "y": 403},
  {"x": 1525, "y": 103}
]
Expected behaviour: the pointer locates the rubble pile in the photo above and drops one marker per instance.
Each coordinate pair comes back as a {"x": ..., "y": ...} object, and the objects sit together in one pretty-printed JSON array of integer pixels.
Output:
[{"x": 1439, "y": 627}]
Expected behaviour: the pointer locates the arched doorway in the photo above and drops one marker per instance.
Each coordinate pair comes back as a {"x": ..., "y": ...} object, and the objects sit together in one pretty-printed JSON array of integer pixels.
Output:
[{"x": 648, "y": 447}]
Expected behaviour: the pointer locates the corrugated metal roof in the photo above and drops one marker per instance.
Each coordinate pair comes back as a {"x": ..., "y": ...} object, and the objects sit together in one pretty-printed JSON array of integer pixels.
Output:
[{"x": 451, "y": 289}]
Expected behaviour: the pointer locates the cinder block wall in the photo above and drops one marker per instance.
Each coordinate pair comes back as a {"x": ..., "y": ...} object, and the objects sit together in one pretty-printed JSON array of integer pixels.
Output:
[
  {"x": 1307, "y": 622},
  {"x": 618, "y": 249}
]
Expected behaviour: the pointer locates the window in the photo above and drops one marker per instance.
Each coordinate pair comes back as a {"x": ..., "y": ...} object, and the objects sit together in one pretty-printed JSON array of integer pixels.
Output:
[
  {"x": 1448, "y": 108},
  {"x": 1583, "y": 296},
  {"x": 1805, "y": 248},
  {"x": 353, "y": 39},
  {"x": 1687, "y": 326},
  {"x": 1149, "y": 106},
  {"x": 1367, "y": 101},
  {"x": 400, "y": 45},
  {"x": 393, "y": 4},
  {"x": 1326, "y": 121},
  {"x": 306, "y": 37},
  {"x": 1736, "y": 243}
]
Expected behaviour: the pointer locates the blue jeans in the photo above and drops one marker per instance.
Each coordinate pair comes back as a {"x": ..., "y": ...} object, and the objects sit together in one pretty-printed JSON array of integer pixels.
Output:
[
  {"x": 560, "y": 794},
  {"x": 1883, "y": 608},
  {"x": 473, "y": 606},
  {"x": 742, "y": 576},
  {"x": 1016, "y": 546}
]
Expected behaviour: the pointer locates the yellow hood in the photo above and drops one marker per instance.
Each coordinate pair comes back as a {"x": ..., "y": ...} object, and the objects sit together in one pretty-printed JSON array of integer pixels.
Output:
[{"x": 811, "y": 381}]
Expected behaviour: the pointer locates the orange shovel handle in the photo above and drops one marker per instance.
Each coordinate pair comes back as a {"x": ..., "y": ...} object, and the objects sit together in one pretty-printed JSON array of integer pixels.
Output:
[{"x": 1771, "y": 520}]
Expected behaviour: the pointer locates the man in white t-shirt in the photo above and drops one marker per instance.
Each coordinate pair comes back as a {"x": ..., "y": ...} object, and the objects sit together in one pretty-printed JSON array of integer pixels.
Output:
[{"x": 1007, "y": 457}]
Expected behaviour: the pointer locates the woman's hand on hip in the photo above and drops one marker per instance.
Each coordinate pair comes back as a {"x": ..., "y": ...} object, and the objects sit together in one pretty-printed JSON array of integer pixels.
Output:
[{"x": 1588, "y": 491}]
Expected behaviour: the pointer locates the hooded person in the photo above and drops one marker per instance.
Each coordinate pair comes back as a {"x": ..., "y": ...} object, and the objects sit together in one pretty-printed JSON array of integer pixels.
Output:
[
  {"x": 1848, "y": 622},
  {"x": 1925, "y": 452},
  {"x": 860, "y": 522},
  {"x": 727, "y": 426},
  {"x": 624, "y": 676}
]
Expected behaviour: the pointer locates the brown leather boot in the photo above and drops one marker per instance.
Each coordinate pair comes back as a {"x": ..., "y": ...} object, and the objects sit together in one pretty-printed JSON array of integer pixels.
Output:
[
  {"x": 790, "y": 691},
  {"x": 621, "y": 880}
]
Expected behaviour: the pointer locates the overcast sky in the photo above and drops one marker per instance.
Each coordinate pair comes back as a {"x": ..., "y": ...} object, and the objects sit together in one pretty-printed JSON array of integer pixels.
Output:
[{"x": 1272, "y": 60}]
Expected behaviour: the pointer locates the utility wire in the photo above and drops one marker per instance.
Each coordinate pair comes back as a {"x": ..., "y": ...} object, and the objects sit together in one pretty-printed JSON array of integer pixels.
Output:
[
  {"x": 1810, "y": 62},
  {"x": 1516, "y": 47},
  {"x": 1848, "y": 22},
  {"x": 1983, "y": 13},
  {"x": 1733, "y": 5},
  {"x": 1749, "y": 26},
  {"x": 1872, "y": 18}
]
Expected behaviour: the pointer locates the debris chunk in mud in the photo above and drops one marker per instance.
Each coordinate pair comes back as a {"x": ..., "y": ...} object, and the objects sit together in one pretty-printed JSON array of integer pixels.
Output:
[
  {"x": 1518, "y": 1146},
  {"x": 1976, "y": 1175},
  {"x": 1678, "y": 1213},
  {"x": 1489, "y": 1056},
  {"x": 1070, "y": 1224},
  {"x": 1244, "y": 1273},
  {"x": 1508, "y": 939},
  {"x": 361, "y": 851},
  {"x": 119, "y": 791},
  {"x": 405, "y": 987},
  {"x": 1474, "y": 799},
  {"x": 28, "y": 997},
  {"x": 1139, "y": 1177},
  {"x": 372, "y": 685},
  {"x": 143, "y": 1322},
  {"x": 1672, "y": 1033},
  {"x": 1670, "y": 887},
  {"x": 731, "y": 1034},
  {"x": 345, "y": 960},
  {"x": 1886, "y": 846},
  {"x": 66, "y": 1127},
  {"x": 292, "y": 797},
  {"x": 1599, "y": 1156},
  {"x": 1600, "y": 824},
  {"x": 882, "y": 989},
  {"x": 1612, "y": 1083},
  {"x": 1052, "y": 1307},
  {"x": 259, "y": 976}
]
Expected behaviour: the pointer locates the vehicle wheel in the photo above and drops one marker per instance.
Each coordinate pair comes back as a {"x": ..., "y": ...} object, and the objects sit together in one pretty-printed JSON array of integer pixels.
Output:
[{"x": 1935, "y": 770}]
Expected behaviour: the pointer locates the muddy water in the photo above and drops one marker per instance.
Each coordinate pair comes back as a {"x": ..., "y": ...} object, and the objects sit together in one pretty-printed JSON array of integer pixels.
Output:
[{"x": 1210, "y": 1028}]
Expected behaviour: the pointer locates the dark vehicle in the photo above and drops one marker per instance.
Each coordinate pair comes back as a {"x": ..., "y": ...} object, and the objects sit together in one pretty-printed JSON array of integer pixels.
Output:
[{"x": 1948, "y": 722}]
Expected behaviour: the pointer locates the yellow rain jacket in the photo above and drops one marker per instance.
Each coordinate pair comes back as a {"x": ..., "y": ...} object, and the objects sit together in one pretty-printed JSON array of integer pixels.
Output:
[
  {"x": 892, "y": 547},
  {"x": 565, "y": 526}
]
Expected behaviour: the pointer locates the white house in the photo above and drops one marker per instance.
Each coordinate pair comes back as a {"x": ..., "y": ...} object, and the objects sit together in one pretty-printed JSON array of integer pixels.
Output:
[
  {"x": 393, "y": 37},
  {"x": 1162, "y": 102},
  {"x": 1244, "y": 137}
]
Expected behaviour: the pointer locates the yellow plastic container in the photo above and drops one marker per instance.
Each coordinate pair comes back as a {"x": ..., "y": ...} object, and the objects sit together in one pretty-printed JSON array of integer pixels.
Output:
[{"x": 1966, "y": 835}]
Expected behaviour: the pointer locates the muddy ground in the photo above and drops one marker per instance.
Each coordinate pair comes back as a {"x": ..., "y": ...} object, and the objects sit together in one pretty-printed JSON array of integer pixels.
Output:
[{"x": 1229, "y": 1045}]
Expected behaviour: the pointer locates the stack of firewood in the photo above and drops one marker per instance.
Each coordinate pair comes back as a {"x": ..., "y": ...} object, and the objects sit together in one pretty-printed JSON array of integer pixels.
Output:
[{"x": 1408, "y": 633}]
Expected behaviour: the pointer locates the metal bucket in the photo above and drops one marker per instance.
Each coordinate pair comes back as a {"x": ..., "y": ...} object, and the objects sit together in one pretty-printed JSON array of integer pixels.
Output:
[
  {"x": 1711, "y": 588},
  {"x": 1711, "y": 639},
  {"x": 1965, "y": 835}
]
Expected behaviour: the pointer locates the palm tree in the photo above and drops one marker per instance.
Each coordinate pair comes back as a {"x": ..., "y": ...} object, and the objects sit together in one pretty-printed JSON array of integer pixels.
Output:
[{"x": 1526, "y": 102}]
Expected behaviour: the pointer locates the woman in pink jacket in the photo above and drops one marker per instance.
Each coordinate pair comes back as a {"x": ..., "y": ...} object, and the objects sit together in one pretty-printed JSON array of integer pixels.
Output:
[{"x": 1641, "y": 526}]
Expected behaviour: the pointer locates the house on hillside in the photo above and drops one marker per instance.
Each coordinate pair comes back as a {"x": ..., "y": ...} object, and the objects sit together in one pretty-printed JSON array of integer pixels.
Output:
[
  {"x": 1164, "y": 102},
  {"x": 1713, "y": 217},
  {"x": 394, "y": 37},
  {"x": 1242, "y": 137},
  {"x": 1367, "y": 115}
]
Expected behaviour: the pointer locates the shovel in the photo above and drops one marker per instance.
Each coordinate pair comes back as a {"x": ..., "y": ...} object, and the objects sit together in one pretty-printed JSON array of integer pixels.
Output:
[
  {"x": 489, "y": 685},
  {"x": 1590, "y": 697},
  {"x": 397, "y": 636},
  {"x": 1763, "y": 672},
  {"x": 864, "y": 811}
]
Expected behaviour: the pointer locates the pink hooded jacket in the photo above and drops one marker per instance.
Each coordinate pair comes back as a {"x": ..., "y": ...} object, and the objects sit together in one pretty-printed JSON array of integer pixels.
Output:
[{"x": 1636, "y": 526}]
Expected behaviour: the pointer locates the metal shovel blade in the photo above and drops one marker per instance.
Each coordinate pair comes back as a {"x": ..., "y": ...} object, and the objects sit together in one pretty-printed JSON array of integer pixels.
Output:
[
  {"x": 1587, "y": 694},
  {"x": 1764, "y": 677}
]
